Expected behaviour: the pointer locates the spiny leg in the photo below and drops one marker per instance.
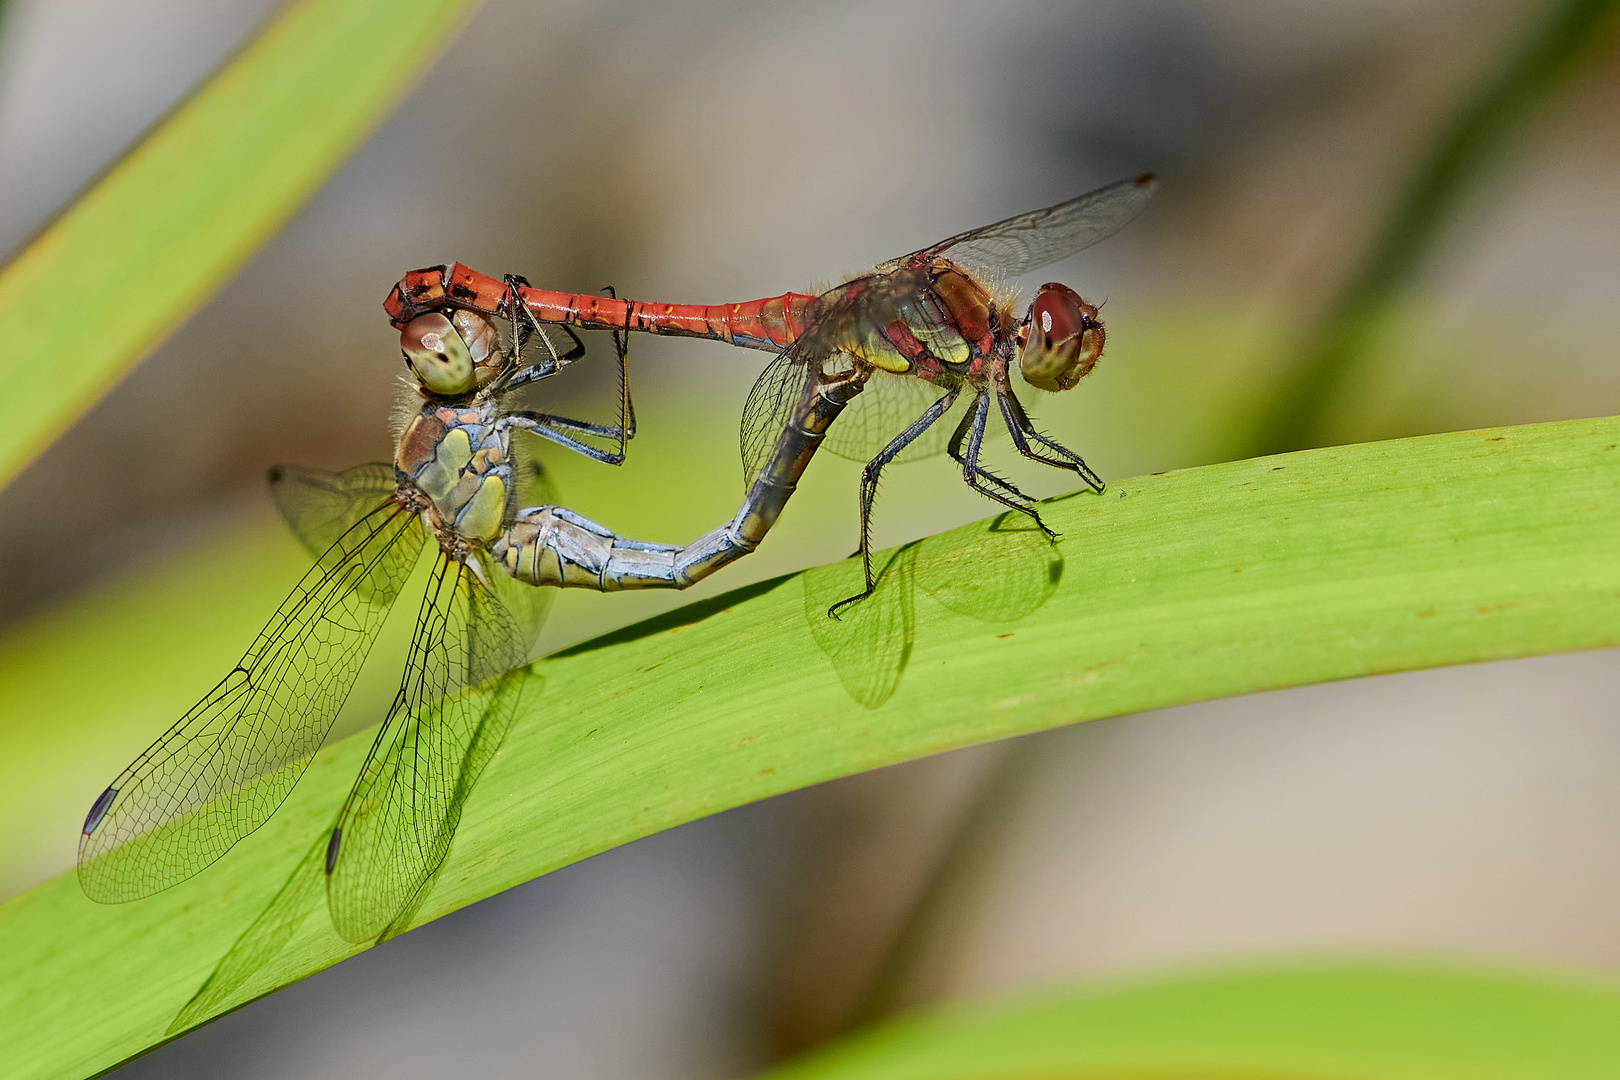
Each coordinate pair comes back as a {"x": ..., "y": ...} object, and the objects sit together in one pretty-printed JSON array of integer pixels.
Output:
[
  {"x": 971, "y": 469},
  {"x": 565, "y": 423},
  {"x": 546, "y": 426},
  {"x": 525, "y": 326},
  {"x": 869, "y": 482},
  {"x": 549, "y": 425},
  {"x": 955, "y": 450},
  {"x": 1022, "y": 429},
  {"x": 621, "y": 347}
]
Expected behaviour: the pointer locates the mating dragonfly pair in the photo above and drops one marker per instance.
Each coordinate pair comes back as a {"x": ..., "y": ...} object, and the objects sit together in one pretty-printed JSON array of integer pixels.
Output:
[{"x": 895, "y": 349}]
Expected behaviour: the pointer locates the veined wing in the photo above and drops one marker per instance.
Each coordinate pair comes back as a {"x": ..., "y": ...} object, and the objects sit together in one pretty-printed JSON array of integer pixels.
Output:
[
  {"x": 222, "y": 770},
  {"x": 779, "y": 392},
  {"x": 1030, "y": 241},
  {"x": 397, "y": 824},
  {"x": 321, "y": 506},
  {"x": 890, "y": 403},
  {"x": 528, "y": 604}
]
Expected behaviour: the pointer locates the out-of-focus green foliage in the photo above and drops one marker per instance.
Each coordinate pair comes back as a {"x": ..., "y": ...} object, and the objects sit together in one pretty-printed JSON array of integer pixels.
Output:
[
  {"x": 162, "y": 229},
  {"x": 1210, "y": 582},
  {"x": 1297, "y": 1024},
  {"x": 1330, "y": 356}
]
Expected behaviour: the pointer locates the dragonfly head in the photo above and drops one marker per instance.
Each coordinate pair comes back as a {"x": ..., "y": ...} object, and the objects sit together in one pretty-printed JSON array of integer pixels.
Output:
[
  {"x": 1060, "y": 340},
  {"x": 451, "y": 356}
]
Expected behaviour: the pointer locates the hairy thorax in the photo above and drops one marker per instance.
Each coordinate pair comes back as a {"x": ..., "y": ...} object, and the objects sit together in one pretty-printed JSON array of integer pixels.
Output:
[
  {"x": 927, "y": 318},
  {"x": 457, "y": 458}
]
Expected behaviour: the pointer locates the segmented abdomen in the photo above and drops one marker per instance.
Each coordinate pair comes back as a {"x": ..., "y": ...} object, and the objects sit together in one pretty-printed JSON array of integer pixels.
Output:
[{"x": 768, "y": 323}]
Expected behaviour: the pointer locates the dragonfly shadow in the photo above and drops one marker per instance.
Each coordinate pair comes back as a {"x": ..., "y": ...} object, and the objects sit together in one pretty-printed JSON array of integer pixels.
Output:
[
  {"x": 870, "y": 644},
  {"x": 671, "y": 620},
  {"x": 301, "y": 894},
  {"x": 260, "y": 943},
  {"x": 999, "y": 573}
]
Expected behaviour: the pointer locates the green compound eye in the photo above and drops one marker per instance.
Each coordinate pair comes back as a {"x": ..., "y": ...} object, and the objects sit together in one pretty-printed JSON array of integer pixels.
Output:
[{"x": 436, "y": 355}]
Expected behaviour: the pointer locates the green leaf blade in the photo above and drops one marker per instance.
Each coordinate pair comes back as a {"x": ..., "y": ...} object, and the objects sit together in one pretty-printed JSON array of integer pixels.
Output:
[
  {"x": 1223, "y": 580},
  {"x": 1369, "y": 1023}
]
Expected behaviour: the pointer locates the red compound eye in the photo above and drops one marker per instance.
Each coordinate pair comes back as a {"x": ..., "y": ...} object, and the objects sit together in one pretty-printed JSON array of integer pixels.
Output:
[
  {"x": 1062, "y": 339},
  {"x": 1060, "y": 315}
]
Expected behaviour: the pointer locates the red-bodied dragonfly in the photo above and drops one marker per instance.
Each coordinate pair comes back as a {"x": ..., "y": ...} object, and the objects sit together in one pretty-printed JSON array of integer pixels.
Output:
[
  {"x": 934, "y": 325},
  {"x": 228, "y": 763}
]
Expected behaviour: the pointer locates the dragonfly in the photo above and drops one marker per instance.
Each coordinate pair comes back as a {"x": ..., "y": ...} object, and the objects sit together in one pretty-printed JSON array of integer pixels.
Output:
[
  {"x": 455, "y": 486},
  {"x": 926, "y": 330}
]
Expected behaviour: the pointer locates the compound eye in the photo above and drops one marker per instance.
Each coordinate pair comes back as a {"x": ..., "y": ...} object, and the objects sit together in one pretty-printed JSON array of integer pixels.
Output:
[
  {"x": 1059, "y": 316},
  {"x": 437, "y": 355},
  {"x": 1062, "y": 339}
]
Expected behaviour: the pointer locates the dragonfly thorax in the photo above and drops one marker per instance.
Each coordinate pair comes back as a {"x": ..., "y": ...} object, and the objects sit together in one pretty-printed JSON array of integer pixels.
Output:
[
  {"x": 457, "y": 459},
  {"x": 929, "y": 318}
]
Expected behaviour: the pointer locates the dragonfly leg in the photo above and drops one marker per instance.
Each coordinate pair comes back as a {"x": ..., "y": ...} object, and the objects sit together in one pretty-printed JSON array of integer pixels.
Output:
[
  {"x": 524, "y": 328},
  {"x": 547, "y": 427},
  {"x": 565, "y": 423},
  {"x": 869, "y": 486},
  {"x": 973, "y": 472},
  {"x": 621, "y": 347},
  {"x": 524, "y": 324},
  {"x": 1022, "y": 430},
  {"x": 955, "y": 450}
]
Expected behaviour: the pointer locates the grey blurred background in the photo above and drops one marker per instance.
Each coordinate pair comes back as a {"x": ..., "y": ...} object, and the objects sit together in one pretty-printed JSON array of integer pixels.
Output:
[{"x": 720, "y": 151}]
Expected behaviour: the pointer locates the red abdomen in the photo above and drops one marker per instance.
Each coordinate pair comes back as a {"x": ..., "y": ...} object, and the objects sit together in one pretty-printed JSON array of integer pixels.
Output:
[{"x": 768, "y": 323}]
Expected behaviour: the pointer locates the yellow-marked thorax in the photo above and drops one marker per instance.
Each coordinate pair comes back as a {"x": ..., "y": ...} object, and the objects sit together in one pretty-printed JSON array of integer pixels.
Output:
[
  {"x": 922, "y": 318},
  {"x": 457, "y": 458}
]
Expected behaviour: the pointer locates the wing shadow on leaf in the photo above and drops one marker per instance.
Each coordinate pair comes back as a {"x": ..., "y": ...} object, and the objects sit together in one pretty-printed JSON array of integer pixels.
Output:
[
  {"x": 870, "y": 645},
  {"x": 999, "y": 573}
]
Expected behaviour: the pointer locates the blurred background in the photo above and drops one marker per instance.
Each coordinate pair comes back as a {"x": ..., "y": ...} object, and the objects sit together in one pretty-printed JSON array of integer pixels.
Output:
[{"x": 713, "y": 151}]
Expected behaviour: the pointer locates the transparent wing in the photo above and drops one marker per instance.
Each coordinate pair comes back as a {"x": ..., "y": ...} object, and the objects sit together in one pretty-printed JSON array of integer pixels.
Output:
[
  {"x": 889, "y": 403},
  {"x": 321, "y": 506},
  {"x": 1033, "y": 240},
  {"x": 397, "y": 824},
  {"x": 222, "y": 770},
  {"x": 529, "y": 605},
  {"x": 776, "y": 396},
  {"x": 883, "y": 410}
]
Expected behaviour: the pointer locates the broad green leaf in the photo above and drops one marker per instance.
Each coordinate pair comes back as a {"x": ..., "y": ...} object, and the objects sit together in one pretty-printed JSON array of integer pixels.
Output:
[
  {"x": 152, "y": 239},
  {"x": 1222, "y": 580},
  {"x": 1296, "y": 1024}
]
